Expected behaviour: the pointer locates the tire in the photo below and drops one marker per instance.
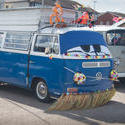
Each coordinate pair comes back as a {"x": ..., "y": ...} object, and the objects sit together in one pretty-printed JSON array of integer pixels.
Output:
[
  {"x": 41, "y": 91},
  {"x": 122, "y": 80}
]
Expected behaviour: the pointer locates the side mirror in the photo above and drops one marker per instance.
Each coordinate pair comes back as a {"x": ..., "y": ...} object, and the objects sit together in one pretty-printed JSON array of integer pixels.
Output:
[{"x": 116, "y": 62}]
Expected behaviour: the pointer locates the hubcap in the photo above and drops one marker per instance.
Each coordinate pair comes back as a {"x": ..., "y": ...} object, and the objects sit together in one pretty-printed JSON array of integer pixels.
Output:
[{"x": 41, "y": 90}]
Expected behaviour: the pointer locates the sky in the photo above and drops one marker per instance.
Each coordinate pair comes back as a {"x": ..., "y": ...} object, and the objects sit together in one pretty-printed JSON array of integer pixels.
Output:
[{"x": 105, "y": 5}]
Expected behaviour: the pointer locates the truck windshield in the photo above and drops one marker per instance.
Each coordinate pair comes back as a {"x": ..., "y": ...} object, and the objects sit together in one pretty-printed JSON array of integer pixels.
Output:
[
  {"x": 83, "y": 42},
  {"x": 89, "y": 50},
  {"x": 116, "y": 37}
]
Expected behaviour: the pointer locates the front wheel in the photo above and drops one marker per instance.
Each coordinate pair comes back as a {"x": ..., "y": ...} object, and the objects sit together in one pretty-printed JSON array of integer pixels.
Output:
[
  {"x": 122, "y": 80},
  {"x": 42, "y": 91}
]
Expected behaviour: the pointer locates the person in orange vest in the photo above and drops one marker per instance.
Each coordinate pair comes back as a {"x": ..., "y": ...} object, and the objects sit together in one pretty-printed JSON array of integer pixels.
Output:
[{"x": 84, "y": 18}]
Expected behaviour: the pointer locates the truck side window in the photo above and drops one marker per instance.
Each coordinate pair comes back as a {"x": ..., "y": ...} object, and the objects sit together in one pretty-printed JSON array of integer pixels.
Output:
[
  {"x": 44, "y": 42},
  {"x": 1, "y": 38},
  {"x": 17, "y": 41},
  {"x": 122, "y": 39}
]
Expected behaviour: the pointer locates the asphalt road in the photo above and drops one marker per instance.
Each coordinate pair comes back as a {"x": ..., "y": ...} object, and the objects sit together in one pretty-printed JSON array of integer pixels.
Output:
[{"x": 20, "y": 107}]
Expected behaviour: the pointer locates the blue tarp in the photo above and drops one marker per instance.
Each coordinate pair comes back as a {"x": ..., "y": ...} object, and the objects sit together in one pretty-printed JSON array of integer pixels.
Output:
[{"x": 77, "y": 38}]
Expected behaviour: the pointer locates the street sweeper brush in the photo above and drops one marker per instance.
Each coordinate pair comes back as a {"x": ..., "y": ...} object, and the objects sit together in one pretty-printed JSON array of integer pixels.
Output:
[{"x": 83, "y": 101}]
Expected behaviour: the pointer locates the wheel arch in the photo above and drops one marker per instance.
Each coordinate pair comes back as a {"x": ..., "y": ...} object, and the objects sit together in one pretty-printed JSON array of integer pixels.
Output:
[{"x": 35, "y": 81}]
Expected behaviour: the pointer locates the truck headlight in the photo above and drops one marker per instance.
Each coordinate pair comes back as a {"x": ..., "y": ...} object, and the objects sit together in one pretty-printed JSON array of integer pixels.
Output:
[
  {"x": 79, "y": 78},
  {"x": 114, "y": 75}
]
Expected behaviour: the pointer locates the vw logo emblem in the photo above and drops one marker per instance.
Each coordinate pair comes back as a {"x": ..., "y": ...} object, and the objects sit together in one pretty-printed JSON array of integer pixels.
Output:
[{"x": 99, "y": 76}]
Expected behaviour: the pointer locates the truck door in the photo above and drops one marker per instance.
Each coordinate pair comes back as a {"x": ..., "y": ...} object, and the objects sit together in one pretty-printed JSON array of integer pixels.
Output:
[{"x": 45, "y": 62}]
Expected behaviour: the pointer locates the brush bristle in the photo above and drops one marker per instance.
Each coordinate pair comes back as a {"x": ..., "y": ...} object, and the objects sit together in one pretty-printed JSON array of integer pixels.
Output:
[{"x": 83, "y": 101}]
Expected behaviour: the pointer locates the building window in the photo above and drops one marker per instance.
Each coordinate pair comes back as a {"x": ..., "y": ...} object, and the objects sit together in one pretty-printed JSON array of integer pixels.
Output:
[
  {"x": 32, "y": 4},
  {"x": 101, "y": 23},
  {"x": 107, "y": 23},
  {"x": 8, "y": 6}
]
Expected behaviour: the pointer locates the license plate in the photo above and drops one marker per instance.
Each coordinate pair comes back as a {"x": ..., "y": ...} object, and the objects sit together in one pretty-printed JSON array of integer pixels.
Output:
[{"x": 71, "y": 90}]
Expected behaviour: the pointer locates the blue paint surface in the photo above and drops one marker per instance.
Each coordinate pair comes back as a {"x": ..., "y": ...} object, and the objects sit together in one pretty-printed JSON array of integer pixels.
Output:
[
  {"x": 59, "y": 79},
  {"x": 91, "y": 84},
  {"x": 51, "y": 71},
  {"x": 13, "y": 68}
]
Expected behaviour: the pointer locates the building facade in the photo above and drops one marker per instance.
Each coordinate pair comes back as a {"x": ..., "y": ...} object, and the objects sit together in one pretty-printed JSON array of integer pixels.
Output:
[
  {"x": 15, "y": 3},
  {"x": 107, "y": 18},
  {"x": 26, "y": 3}
]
